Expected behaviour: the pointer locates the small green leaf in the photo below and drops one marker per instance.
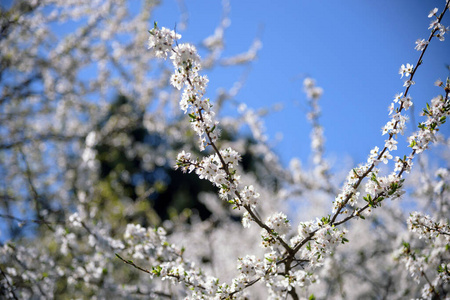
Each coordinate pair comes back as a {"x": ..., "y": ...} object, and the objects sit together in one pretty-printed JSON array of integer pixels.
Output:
[
  {"x": 374, "y": 178},
  {"x": 268, "y": 259},
  {"x": 156, "y": 270}
]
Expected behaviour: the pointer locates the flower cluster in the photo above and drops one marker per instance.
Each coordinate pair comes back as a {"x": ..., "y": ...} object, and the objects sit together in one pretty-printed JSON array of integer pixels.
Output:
[
  {"x": 220, "y": 169},
  {"x": 250, "y": 266},
  {"x": 324, "y": 241},
  {"x": 348, "y": 195},
  {"x": 162, "y": 41},
  {"x": 168, "y": 264},
  {"x": 397, "y": 123},
  {"x": 312, "y": 91},
  {"x": 143, "y": 242},
  {"x": 280, "y": 285},
  {"x": 414, "y": 265},
  {"x": 385, "y": 186},
  {"x": 404, "y": 164},
  {"x": 436, "y": 114},
  {"x": 279, "y": 225},
  {"x": 426, "y": 228},
  {"x": 186, "y": 62},
  {"x": 419, "y": 261},
  {"x": 437, "y": 28}
]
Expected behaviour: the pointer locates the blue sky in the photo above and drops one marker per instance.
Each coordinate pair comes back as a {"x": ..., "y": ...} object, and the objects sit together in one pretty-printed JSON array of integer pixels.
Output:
[{"x": 352, "y": 48}]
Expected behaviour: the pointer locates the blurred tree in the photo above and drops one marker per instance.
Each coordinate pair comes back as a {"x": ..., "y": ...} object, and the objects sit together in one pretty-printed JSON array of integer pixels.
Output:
[{"x": 161, "y": 191}]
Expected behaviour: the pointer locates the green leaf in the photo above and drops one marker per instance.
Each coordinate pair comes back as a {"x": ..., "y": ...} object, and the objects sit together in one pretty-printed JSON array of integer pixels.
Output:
[
  {"x": 157, "y": 270},
  {"x": 368, "y": 198},
  {"x": 374, "y": 177}
]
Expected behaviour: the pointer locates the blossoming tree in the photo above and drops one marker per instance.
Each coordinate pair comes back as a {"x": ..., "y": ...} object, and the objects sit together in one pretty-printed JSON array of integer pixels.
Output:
[{"x": 83, "y": 173}]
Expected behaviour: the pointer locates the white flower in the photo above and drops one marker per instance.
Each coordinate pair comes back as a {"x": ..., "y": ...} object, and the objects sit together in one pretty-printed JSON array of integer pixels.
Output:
[
  {"x": 161, "y": 41},
  {"x": 406, "y": 102},
  {"x": 432, "y": 12},
  {"x": 398, "y": 97},
  {"x": 408, "y": 83},
  {"x": 75, "y": 220},
  {"x": 185, "y": 57},
  {"x": 279, "y": 223},
  {"x": 406, "y": 71},
  {"x": 391, "y": 144},
  {"x": 391, "y": 108},
  {"x": 385, "y": 157},
  {"x": 249, "y": 196},
  {"x": 420, "y": 44}
]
